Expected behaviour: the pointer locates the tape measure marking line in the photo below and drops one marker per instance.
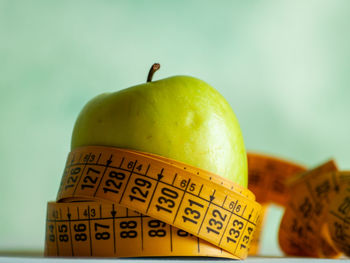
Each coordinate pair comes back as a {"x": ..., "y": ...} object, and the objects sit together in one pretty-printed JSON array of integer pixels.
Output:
[
  {"x": 109, "y": 161},
  {"x": 126, "y": 185},
  {"x": 82, "y": 172},
  {"x": 244, "y": 210},
  {"x": 183, "y": 195},
  {"x": 206, "y": 211},
  {"x": 100, "y": 210},
  {"x": 89, "y": 219},
  {"x": 239, "y": 240},
  {"x": 160, "y": 175},
  {"x": 223, "y": 203},
  {"x": 200, "y": 190},
  {"x": 171, "y": 238},
  {"x": 229, "y": 219},
  {"x": 58, "y": 251},
  {"x": 174, "y": 179},
  {"x": 98, "y": 158},
  {"x": 141, "y": 223},
  {"x": 113, "y": 213},
  {"x": 70, "y": 229},
  {"x": 199, "y": 248}
]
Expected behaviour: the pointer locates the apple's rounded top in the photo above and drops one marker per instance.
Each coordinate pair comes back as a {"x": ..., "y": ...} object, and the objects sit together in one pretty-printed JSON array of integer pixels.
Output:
[{"x": 179, "y": 117}]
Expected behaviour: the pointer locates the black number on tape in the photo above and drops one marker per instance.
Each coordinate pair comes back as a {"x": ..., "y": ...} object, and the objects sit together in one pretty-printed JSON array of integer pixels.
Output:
[
  {"x": 183, "y": 233},
  {"x": 72, "y": 179},
  {"x": 195, "y": 214},
  {"x": 101, "y": 235},
  {"x": 80, "y": 236},
  {"x": 156, "y": 232},
  {"x": 128, "y": 225},
  {"x": 218, "y": 224},
  {"x": 79, "y": 227},
  {"x": 192, "y": 187},
  {"x": 112, "y": 184},
  {"x": 51, "y": 233},
  {"x": 169, "y": 202},
  {"x": 246, "y": 238},
  {"x": 235, "y": 231},
  {"x": 92, "y": 212},
  {"x": 138, "y": 190},
  {"x": 88, "y": 180},
  {"x": 63, "y": 237}
]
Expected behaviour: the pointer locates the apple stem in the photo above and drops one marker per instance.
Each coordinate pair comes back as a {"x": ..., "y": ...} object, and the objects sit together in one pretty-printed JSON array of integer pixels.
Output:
[{"x": 152, "y": 70}]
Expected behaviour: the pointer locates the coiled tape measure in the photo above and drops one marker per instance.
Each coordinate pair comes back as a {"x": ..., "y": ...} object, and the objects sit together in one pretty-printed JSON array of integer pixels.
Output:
[
  {"x": 316, "y": 221},
  {"x": 121, "y": 203}
]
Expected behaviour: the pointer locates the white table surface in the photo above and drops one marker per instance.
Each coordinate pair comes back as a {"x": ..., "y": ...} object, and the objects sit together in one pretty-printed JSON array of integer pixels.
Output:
[{"x": 31, "y": 257}]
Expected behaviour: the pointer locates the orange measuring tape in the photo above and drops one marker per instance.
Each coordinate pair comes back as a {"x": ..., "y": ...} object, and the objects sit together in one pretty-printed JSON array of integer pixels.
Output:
[
  {"x": 267, "y": 176},
  {"x": 121, "y": 203},
  {"x": 315, "y": 222}
]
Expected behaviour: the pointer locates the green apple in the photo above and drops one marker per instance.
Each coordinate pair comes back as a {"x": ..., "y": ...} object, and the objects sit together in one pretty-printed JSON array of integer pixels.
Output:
[{"x": 180, "y": 117}]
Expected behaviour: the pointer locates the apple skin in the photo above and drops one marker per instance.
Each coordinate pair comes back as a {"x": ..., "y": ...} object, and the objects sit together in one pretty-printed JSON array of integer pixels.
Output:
[{"x": 180, "y": 117}]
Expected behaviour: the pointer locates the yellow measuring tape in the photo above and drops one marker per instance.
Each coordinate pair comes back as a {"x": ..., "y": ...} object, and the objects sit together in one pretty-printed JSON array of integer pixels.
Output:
[
  {"x": 121, "y": 203},
  {"x": 267, "y": 177},
  {"x": 316, "y": 219}
]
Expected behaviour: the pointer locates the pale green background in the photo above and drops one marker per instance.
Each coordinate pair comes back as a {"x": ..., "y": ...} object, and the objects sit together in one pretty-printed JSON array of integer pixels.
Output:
[{"x": 282, "y": 65}]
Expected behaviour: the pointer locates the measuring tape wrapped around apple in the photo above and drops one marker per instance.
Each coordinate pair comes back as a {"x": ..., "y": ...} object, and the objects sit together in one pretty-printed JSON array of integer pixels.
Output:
[
  {"x": 118, "y": 202},
  {"x": 146, "y": 205}
]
